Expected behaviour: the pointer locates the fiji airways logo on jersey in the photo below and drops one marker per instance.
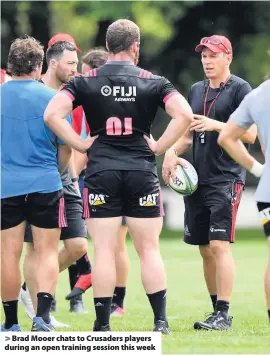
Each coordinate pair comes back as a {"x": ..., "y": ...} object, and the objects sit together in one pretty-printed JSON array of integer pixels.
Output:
[
  {"x": 96, "y": 199},
  {"x": 149, "y": 200},
  {"x": 121, "y": 93}
]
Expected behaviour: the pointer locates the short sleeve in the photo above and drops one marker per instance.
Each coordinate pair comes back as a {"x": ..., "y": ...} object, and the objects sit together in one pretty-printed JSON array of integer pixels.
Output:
[
  {"x": 242, "y": 92},
  {"x": 189, "y": 96},
  {"x": 166, "y": 91},
  {"x": 242, "y": 115},
  {"x": 71, "y": 90},
  {"x": 69, "y": 119}
]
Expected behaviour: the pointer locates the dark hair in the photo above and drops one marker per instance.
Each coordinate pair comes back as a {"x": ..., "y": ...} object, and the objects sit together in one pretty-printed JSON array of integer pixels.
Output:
[
  {"x": 95, "y": 58},
  {"x": 25, "y": 54},
  {"x": 56, "y": 51},
  {"x": 121, "y": 34}
]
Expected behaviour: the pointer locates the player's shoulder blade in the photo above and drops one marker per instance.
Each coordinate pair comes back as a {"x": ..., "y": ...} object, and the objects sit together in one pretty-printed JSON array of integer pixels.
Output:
[
  {"x": 260, "y": 96},
  {"x": 43, "y": 91},
  {"x": 263, "y": 88}
]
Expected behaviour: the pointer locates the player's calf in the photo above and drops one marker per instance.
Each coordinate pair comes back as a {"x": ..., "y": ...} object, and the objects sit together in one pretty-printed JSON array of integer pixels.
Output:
[
  {"x": 47, "y": 268},
  {"x": 104, "y": 233},
  {"x": 145, "y": 234},
  {"x": 11, "y": 249}
]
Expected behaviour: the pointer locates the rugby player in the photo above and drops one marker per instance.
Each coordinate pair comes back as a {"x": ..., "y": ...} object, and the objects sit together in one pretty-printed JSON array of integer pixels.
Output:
[
  {"x": 62, "y": 65},
  {"x": 120, "y": 101},
  {"x": 93, "y": 59},
  {"x": 31, "y": 188}
]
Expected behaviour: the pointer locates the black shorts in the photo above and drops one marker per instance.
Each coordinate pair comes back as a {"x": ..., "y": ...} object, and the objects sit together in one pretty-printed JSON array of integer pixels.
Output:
[
  {"x": 116, "y": 193},
  {"x": 74, "y": 210},
  {"x": 81, "y": 184},
  {"x": 41, "y": 210},
  {"x": 264, "y": 209},
  {"x": 210, "y": 213}
]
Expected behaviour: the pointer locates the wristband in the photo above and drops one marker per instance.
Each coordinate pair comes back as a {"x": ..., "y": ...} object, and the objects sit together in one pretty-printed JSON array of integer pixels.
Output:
[
  {"x": 75, "y": 179},
  {"x": 257, "y": 169}
]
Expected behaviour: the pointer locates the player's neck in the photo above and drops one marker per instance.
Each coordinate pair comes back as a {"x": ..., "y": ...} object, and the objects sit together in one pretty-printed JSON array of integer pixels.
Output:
[
  {"x": 24, "y": 77},
  {"x": 120, "y": 57},
  {"x": 50, "y": 80},
  {"x": 215, "y": 82}
]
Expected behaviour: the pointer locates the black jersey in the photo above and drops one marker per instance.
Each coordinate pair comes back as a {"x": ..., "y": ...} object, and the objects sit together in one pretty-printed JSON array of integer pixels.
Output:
[
  {"x": 212, "y": 163},
  {"x": 120, "y": 101}
]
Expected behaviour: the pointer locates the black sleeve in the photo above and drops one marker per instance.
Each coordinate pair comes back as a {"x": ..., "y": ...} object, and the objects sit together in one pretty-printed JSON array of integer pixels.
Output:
[
  {"x": 189, "y": 96},
  {"x": 243, "y": 90},
  {"x": 166, "y": 90},
  {"x": 72, "y": 91}
]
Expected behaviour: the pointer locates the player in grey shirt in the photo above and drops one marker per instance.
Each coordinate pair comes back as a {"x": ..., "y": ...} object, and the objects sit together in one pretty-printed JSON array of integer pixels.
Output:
[{"x": 255, "y": 108}]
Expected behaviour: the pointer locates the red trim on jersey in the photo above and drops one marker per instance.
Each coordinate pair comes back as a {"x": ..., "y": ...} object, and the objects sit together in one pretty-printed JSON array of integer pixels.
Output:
[
  {"x": 166, "y": 98},
  {"x": 148, "y": 75},
  {"x": 238, "y": 190},
  {"x": 77, "y": 118},
  {"x": 145, "y": 74},
  {"x": 69, "y": 94},
  {"x": 91, "y": 73}
]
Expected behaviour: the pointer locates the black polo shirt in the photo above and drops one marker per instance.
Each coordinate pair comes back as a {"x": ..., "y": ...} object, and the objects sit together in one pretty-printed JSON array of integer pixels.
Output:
[{"x": 211, "y": 162}]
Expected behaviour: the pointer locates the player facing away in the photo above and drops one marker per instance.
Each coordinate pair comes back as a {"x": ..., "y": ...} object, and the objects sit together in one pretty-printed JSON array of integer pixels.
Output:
[
  {"x": 120, "y": 101},
  {"x": 210, "y": 213},
  {"x": 93, "y": 59},
  {"x": 255, "y": 108},
  {"x": 31, "y": 189}
]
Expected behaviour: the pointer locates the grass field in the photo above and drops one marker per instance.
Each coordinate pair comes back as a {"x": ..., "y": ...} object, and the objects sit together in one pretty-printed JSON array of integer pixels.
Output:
[{"x": 188, "y": 300}]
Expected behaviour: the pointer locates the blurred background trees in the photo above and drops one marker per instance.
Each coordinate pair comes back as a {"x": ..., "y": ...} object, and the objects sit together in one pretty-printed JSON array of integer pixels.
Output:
[{"x": 170, "y": 30}]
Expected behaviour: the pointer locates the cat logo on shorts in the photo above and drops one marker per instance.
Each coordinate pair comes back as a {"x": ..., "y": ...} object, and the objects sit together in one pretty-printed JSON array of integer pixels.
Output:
[
  {"x": 150, "y": 200},
  {"x": 96, "y": 199},
  {"x": 265, "y": 215}
]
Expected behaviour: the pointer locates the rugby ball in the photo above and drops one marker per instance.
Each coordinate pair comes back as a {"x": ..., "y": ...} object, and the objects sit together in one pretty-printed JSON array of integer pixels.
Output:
[{"x": 186, "y": 179}]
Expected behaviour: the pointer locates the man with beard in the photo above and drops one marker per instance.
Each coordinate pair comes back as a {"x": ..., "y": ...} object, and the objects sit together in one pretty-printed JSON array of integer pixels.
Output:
[
  {"x": 62, "y": 62},
  {"x": 120, "y": 101},
  {"x": 94, "y": 59}
]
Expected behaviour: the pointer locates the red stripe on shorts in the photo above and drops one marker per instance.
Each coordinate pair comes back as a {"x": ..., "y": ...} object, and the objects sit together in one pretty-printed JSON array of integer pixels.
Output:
[
  {"x": 61, "y": 214},
  {"x": 86, "y": 211},
  {"x": 238, "y": 190},
  {"x": 162, "y": 214}
]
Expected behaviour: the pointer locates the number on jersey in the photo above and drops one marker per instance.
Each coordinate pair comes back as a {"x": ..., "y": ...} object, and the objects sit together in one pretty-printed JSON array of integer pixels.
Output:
[{"x": 114, "y": 126}]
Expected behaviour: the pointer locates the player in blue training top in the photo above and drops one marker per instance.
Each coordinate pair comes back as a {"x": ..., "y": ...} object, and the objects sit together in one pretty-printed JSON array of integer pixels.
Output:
[{"x": 31, "y": 188}]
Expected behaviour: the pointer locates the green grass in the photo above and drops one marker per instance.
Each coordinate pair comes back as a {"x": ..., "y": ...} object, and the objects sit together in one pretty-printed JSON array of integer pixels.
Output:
[{"x": 188, "y": 300}]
